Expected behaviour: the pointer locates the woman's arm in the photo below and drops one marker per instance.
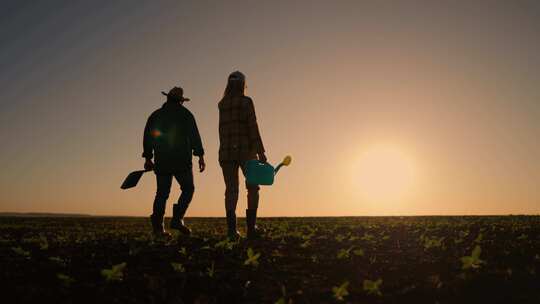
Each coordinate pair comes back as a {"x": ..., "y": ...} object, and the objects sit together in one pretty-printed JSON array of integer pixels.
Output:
[{"x": 253, "y": 131}]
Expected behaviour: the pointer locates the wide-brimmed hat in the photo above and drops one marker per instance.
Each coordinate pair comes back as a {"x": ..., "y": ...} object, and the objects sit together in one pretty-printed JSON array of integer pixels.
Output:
[{"x": 176, "y": 93}]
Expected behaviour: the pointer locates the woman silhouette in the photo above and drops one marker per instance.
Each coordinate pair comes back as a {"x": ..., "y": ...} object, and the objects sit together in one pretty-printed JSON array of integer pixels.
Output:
[{"x": 239, "y": 141}]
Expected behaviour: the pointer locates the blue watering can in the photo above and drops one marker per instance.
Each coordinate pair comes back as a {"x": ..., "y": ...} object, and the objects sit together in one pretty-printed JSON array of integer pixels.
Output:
[{"x": 258, "y": 173}]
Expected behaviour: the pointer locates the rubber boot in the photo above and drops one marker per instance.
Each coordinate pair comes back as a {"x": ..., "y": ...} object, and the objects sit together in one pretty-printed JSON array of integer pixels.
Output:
[
  {"x": 157, "y": 226},
  {"x": 177, "y": 221},
  {"x": 253, "y": 232},
  {"x": 232, "y": 233}
]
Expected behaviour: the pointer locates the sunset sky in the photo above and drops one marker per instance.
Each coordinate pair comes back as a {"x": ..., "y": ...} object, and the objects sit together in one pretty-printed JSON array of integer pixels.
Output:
[{"x": 387, "y": 107}]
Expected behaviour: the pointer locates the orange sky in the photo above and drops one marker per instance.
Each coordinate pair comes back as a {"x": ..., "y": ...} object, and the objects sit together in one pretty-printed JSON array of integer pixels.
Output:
[{"x": 387, "y": 109}]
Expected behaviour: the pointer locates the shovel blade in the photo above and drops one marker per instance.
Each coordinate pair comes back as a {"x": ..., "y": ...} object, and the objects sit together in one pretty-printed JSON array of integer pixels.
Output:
[{"x": 132, "y": 179}]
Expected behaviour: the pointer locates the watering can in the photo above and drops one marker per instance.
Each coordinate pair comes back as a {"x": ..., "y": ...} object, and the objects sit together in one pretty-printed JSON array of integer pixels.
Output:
[{"x": 258, "y": 173}]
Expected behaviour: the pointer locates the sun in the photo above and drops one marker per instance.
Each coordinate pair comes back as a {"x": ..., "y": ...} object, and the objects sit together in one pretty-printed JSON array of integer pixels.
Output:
[{"x": 383, "y": 173}]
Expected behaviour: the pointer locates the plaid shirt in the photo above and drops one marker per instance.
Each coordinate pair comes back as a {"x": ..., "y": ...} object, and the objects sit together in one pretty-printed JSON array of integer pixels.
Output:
[{"x": 239, "y": 137}]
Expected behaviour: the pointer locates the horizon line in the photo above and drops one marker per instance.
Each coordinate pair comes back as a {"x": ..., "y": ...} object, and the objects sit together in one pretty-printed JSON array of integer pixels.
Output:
[{"x": 54, "y": 214}]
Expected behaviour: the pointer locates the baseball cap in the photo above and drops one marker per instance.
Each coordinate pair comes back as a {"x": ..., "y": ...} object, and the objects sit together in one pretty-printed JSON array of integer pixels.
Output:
[{"x": 237, "y": 75}]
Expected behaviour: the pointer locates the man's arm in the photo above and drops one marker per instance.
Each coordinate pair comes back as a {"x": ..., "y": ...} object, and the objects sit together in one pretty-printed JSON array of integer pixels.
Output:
[
  {"x": 148, "y": 145},
  {"x": 253, "y": 131},
  {"x": 195, "y": 138},
  {"x": 196, "y": 144}
]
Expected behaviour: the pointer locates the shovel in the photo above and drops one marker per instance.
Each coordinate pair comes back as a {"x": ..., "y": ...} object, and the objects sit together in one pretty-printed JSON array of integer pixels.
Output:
[
  {"x": 258, "y": 173},
  {"x": 132, "y": 179}
]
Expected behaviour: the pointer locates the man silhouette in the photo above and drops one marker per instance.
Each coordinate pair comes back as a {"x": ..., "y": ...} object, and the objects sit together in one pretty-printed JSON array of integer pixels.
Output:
[{"x": 171, "y": 137}]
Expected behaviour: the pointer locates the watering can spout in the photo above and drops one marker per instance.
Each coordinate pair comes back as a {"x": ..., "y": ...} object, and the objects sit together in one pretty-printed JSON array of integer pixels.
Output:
[{"x": 286, "y": 161}]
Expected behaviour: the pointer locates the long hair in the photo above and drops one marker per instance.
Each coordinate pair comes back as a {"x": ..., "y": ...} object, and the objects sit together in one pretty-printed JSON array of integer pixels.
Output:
[{"x": 236, "y": 84}]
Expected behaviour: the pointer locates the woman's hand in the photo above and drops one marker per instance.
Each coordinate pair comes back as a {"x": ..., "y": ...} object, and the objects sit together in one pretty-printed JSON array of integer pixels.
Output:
[{"x": 262, "y": 157}]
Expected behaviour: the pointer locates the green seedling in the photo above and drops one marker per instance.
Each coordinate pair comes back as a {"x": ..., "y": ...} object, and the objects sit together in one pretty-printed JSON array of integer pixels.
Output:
[
  {"x": 522, "y": 237},
  {"x": 252, "y": 258},
  {"x": 367, "y": 237},
  {"x": 472, "y": 261},
  {"x": 283, "y": 299},
  {"x": 435, "y": 280},
  {"x": 373, "y": 287},
  {"x": 307, "y": 237},
  {"x": 340, "y": 238},
  {"x": 43, "y": 243},
  {"x": 21, "y": 252},
  {"x": 433, "y": 242},
  {"x": 115, "y": 273},
  {"x": 65, "y": 279},
  {"x": 479, "y": 238},
  {"x": 178, "y": 267},
  {"x": 341, "y": 291},
  {"x": 358, "y": 252},
  {"x": 58, "y": 261},
  {"x": 344, "y": 253},
  {"x": 276, "y": 253},
  {"x": 353, "y": 238},
  {"x": 225, "y": 244},
  {"x": 211, "y": 271}
]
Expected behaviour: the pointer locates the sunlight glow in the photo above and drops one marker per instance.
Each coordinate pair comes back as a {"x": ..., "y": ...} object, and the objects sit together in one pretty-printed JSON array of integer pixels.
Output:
[{"x": 384, "y": 173}]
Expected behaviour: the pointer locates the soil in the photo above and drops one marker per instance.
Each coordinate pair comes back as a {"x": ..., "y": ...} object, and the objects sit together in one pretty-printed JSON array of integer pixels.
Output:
[{"x": 301, "y": 260}]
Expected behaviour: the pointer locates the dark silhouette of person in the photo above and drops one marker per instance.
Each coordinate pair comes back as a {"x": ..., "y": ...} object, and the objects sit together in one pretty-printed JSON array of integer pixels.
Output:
[
  {"x": 171, "y": 137},
  {"x": 239, "y": 141}
]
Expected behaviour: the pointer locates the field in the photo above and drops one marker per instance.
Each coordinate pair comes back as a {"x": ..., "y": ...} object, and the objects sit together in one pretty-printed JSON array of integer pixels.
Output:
[{"x": 300, "y": 260}]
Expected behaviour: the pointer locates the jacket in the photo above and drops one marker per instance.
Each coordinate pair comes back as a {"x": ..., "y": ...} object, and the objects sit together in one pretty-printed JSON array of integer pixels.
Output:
[{"x": 171, "y": 136}]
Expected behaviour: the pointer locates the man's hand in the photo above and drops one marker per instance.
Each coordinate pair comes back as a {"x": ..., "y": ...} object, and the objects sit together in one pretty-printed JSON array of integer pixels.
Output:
[
  {"x": 202, "y": 164},
  {"x": 262, "y": 158},
  {"x": 148, "y": 165}
]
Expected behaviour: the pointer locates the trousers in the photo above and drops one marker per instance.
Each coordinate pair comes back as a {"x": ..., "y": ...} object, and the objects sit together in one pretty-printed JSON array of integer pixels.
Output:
[
  {"x": 230, "y": 176},
  {"x": 164, "y": 183}
]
